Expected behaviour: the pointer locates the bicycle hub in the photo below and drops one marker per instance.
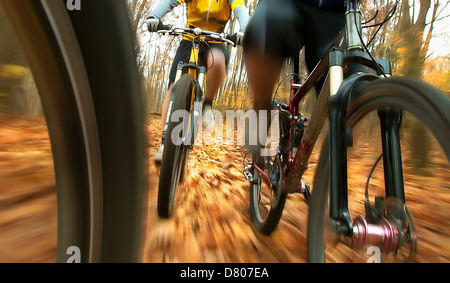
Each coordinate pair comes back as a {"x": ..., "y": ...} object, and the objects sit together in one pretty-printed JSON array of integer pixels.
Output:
[{"x": 383, "y": 234}]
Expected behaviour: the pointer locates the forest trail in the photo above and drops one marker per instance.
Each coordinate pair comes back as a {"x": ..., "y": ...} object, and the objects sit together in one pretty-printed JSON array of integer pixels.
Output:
[
  {"x": 211, "y": 218},
  {"x": 210, "y": 221}
]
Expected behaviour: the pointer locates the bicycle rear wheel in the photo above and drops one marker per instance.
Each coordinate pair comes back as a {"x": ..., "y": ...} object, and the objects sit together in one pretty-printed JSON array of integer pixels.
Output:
[
  {"x": 267, "y": 200},
  {"x": 176, "y": 143},
  {"x": 95, "y": 119},
  {"x": 429, "y": 106}
]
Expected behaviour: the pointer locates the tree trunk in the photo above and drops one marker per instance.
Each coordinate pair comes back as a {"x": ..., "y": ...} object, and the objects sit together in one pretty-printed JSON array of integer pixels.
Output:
[{"x": 416, "y": 44}]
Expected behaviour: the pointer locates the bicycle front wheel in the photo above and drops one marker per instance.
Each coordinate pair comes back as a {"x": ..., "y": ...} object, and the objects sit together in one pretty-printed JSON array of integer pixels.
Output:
[
  {"x": 419, "y": 103},
  {"x": 93, "y": 108},
  {"x": 176, "y": 144}
]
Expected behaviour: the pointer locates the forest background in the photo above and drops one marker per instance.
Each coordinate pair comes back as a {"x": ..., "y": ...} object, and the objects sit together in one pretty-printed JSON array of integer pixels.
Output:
[
  {"x": 413, "y": 35},
  {"x": 415, "y": 39}
]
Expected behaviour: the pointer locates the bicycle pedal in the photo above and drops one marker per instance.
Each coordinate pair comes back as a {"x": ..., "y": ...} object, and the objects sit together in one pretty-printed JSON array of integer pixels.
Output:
[{"x": 248, "y": 176}]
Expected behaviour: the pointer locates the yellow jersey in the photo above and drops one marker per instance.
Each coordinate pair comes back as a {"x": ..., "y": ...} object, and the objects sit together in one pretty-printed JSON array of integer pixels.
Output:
[{"x": 211, "y": 15}]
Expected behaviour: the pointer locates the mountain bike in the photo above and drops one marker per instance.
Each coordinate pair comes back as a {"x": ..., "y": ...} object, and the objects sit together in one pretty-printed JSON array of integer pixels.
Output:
[
  {"x": 346, "y": 99},
  {"x": 93, "y": 108},
  {"x": 183, "y": 114}
]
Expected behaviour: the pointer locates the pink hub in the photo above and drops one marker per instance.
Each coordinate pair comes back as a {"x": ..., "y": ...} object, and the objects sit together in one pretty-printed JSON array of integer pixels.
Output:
[{"x": 383, "y": 234}]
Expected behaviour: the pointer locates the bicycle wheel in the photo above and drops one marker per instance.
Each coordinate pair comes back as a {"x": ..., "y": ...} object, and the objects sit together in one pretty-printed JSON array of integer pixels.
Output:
[
  {"x": 175, "y": 155},
  {"x": 419, "y": 102},
  {"x": 267, "y": 200},
  {"x": 95, "y": 119}
]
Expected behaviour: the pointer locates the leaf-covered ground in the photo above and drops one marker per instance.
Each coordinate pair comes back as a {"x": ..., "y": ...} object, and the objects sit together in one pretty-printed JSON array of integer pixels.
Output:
[{"x": 210, "y": 221}]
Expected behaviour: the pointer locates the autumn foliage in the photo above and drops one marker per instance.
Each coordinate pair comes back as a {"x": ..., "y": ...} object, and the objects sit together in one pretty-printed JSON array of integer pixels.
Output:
[{"x": 210, "y": 222}]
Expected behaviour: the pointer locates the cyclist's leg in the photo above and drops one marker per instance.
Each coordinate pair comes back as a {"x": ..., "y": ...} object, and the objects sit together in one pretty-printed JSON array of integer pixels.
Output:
[
  {"x": 217, "y": 58},
  {"x": 273, "y": 33},
  {"x": 263, "y": 71},
  {"x": 216, "y": 61}
]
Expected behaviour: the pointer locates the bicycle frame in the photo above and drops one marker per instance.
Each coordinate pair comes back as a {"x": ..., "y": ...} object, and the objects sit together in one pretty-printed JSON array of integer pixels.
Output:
[{"x": 332, "y": 102}]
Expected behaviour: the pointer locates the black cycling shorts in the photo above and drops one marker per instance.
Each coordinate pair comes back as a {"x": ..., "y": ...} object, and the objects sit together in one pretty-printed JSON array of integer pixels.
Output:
[
  {"x": 184, "y": 53},
  {"x": 283, "y": 27}
]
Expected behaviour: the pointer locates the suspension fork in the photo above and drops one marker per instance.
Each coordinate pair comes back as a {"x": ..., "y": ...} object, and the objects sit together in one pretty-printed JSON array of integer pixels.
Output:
[
  {"x": 392, "y": 157},
  {"x": 337, "y": 105},
  {"x": 392, "y": 160},
  {"x": 340, "y": 94},
  {"x": 198, "y": 73},
  {"x": 197, "y": 103}
]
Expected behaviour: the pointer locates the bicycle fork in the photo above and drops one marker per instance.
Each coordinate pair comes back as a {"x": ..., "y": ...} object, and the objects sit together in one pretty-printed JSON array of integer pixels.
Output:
[
  {"x": 198, "y": 73},
  {"x": 379, "y": 232}
]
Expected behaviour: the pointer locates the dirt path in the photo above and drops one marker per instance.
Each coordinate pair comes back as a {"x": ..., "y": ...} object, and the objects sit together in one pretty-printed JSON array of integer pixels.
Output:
[
  {"x": 28, "y": 219},
  {"x": 210, "y": 222}
]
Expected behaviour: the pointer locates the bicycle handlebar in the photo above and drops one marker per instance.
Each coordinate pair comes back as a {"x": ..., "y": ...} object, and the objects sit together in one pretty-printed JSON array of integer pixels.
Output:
[{"x": 197, "y": 32}]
